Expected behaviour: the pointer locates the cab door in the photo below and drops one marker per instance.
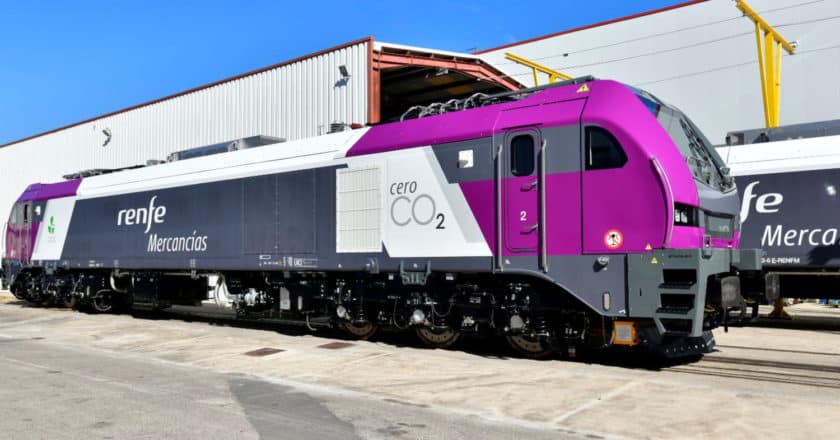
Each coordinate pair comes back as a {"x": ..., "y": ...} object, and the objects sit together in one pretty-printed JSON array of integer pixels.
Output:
[
  {"x": 521, "y": 191},
  {"x": 25, "y": 236}
]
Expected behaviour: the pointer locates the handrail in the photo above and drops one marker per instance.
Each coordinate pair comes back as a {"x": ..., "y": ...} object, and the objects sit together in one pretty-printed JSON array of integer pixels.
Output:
[
  {"x": 499, "y": 221},
  {"x": 542, "y": 227},
  {"x": 669, "y": 201}
]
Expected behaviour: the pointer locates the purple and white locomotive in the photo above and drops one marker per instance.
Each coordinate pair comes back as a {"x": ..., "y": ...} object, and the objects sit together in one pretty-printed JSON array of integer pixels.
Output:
[{"x": 581, "y": 215}]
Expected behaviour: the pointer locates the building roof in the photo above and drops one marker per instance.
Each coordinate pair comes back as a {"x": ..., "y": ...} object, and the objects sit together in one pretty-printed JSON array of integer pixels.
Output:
[{"x": 368, "y": 39}]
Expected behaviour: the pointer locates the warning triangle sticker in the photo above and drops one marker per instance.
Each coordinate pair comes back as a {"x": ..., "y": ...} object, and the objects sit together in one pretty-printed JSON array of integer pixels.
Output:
[
  {"x": 654, "y": 261},
  {"x": 583, "y": 88},
  {"x": 648, "y": 247}
]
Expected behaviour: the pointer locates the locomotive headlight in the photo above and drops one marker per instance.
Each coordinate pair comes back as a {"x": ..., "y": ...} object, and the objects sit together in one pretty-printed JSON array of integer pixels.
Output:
[{"x": 683, "y": 215}]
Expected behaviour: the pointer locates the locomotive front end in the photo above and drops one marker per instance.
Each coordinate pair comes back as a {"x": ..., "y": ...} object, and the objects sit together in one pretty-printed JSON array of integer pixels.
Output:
[{"x": 680, "y": 289}]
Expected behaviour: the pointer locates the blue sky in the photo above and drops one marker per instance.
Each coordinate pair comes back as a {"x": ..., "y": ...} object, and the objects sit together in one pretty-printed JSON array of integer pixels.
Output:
[{"x": 62, "y": 62}]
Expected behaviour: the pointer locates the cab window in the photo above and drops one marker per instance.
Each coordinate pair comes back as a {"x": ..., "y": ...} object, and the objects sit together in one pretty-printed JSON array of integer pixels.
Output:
[
  {"x": 522, "y": 155},
  {"x": 14, "y": 218},
  {"x": 603, "y": 150}
]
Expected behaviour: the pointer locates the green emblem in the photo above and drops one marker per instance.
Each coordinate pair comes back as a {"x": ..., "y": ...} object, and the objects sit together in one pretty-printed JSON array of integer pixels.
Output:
[{"x": 51, "y": 226}]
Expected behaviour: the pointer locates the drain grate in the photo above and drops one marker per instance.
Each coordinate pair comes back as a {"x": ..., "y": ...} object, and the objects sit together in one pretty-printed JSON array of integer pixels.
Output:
[
  {"x": 265, "y": 351},
  {"x": 336, "y": 345}
]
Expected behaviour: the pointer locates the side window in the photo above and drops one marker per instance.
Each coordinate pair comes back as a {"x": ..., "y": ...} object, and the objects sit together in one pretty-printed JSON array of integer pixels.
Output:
[
  {"x": 27, "y": 214},
  {"x": 602, "y": 150},
  {"x": 522, "y": 155},
  {"x": 14, "y": 219}
]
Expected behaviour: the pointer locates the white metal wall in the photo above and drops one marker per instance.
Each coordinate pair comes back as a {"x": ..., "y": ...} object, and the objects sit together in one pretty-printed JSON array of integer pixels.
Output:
[
  {"x": 293, "y": 101},
  {"x": 703, "y": 59}
]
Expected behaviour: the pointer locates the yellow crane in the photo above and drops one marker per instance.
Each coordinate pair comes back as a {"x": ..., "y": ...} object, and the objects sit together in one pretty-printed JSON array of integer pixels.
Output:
[
  {"x": 553, "y": 75},
  {"x": 770, "y": 44}
]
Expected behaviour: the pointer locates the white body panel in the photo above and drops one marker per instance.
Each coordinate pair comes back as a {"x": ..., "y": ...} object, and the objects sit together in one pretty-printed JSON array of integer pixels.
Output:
[
  {"x": 53, "y": 230},
  {"x": 431, "y": 219},
  {"x": 286, "y": 156},
  {"x": 783, "y": 156}
]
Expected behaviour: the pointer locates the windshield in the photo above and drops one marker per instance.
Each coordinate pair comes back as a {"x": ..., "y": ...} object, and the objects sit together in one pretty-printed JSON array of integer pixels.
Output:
[{"x": 704, "y": 162}]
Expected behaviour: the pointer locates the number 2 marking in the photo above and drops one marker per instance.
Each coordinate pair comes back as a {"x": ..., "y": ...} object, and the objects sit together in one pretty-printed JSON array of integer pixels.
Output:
[
  {"x": 440, "y": 223},
  {"x": 523, "y": 216}
]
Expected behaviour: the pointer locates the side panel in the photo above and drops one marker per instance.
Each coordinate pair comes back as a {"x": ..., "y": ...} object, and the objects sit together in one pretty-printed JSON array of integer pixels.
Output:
[
  {"x": 794, "y": 217},
  {"x": 52, "y": 231},
  {"x": 173, "y": 227},
  {"x": 425, "y": 215},
  {"x": 259, "y": 196},
  {"x": 279, "y": 213},
  {"x": 624, "y": 209}
]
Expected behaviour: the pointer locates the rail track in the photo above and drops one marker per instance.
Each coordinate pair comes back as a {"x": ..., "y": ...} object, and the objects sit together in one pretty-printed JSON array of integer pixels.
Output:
[{"x": 809, "y": 374}]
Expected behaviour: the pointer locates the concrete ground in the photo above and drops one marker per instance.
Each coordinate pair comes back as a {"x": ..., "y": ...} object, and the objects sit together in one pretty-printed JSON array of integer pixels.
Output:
[{"x": 72, "y": 375}]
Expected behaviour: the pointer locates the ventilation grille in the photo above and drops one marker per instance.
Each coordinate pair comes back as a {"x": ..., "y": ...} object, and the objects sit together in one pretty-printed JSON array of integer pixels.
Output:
[{"x": 359, "y": 210}]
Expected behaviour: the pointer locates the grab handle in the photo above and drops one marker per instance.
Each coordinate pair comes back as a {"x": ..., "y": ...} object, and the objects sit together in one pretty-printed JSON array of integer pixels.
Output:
[{"x": 669, "y": 201}]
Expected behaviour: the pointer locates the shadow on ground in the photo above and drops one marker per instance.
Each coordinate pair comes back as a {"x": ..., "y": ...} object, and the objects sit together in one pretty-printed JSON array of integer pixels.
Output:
[{"x": 493, "y": 347}]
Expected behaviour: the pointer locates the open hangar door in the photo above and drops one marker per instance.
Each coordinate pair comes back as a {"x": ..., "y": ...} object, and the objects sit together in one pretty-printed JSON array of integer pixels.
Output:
[{"x": 403, "y": 77}]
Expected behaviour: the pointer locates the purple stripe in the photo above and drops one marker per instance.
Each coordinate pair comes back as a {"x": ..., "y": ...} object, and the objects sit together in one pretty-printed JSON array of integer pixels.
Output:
[
  {"x": 687, "y": 237},
  {"x": 629, "y": 200},
  {"x": 15, "y": 235},
  {"x": 44, "y": 191},
  {"x": 562, "y": 214}
]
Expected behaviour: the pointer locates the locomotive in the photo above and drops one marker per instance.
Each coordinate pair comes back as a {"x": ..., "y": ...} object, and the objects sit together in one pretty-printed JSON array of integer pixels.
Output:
[
  {"x": 581, "y": 215},
  {"x": 783, "y": 174}
]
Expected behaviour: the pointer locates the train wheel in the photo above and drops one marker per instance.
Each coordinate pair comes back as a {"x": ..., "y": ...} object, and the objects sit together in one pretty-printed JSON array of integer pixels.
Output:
[
  {"x": 103, "y": 302},
  {"x": 70, "y": 301},
  {"x": 45, "y": 301},
  {"x": 438, "y": 337},
  {"x": 360, "y": 331},
  {"x": 530, "y": 346},
  {"x": 18, "y": 292}
]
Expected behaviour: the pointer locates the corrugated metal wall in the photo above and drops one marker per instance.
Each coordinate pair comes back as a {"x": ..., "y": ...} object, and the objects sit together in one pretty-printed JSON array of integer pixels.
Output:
[
  {"x": 293, "y": 101},
  {"x": 702, "y": 58}
]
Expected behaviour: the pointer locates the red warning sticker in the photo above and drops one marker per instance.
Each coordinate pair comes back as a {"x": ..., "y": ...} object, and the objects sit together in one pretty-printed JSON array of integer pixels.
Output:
[{"x": 613, "y": 239}]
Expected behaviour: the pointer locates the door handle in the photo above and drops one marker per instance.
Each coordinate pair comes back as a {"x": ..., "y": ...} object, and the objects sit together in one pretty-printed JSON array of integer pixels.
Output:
[
  {"x": 529, "y": 186},
  {"x": 531, "y": 228}
]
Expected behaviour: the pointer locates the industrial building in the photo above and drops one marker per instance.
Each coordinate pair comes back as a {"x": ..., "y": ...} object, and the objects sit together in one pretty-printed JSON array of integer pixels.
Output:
[
  {"x": 701, "y": 56},
  {"x": 358, "y": 83}
]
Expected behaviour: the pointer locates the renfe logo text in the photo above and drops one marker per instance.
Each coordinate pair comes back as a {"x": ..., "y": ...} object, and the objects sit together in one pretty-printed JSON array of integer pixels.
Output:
[
  {"x": 142, "y": 216},
  {"x": 764, "y": 204},
  {"x": 782, "y": 235}
]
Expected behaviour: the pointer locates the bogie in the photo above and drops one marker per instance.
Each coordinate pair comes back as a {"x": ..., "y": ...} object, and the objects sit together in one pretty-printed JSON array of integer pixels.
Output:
[{"x": 438, "y": 313}]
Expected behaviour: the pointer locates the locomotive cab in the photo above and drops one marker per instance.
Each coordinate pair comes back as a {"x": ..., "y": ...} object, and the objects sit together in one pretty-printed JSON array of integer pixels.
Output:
[{"x": 18, "y": 240}]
